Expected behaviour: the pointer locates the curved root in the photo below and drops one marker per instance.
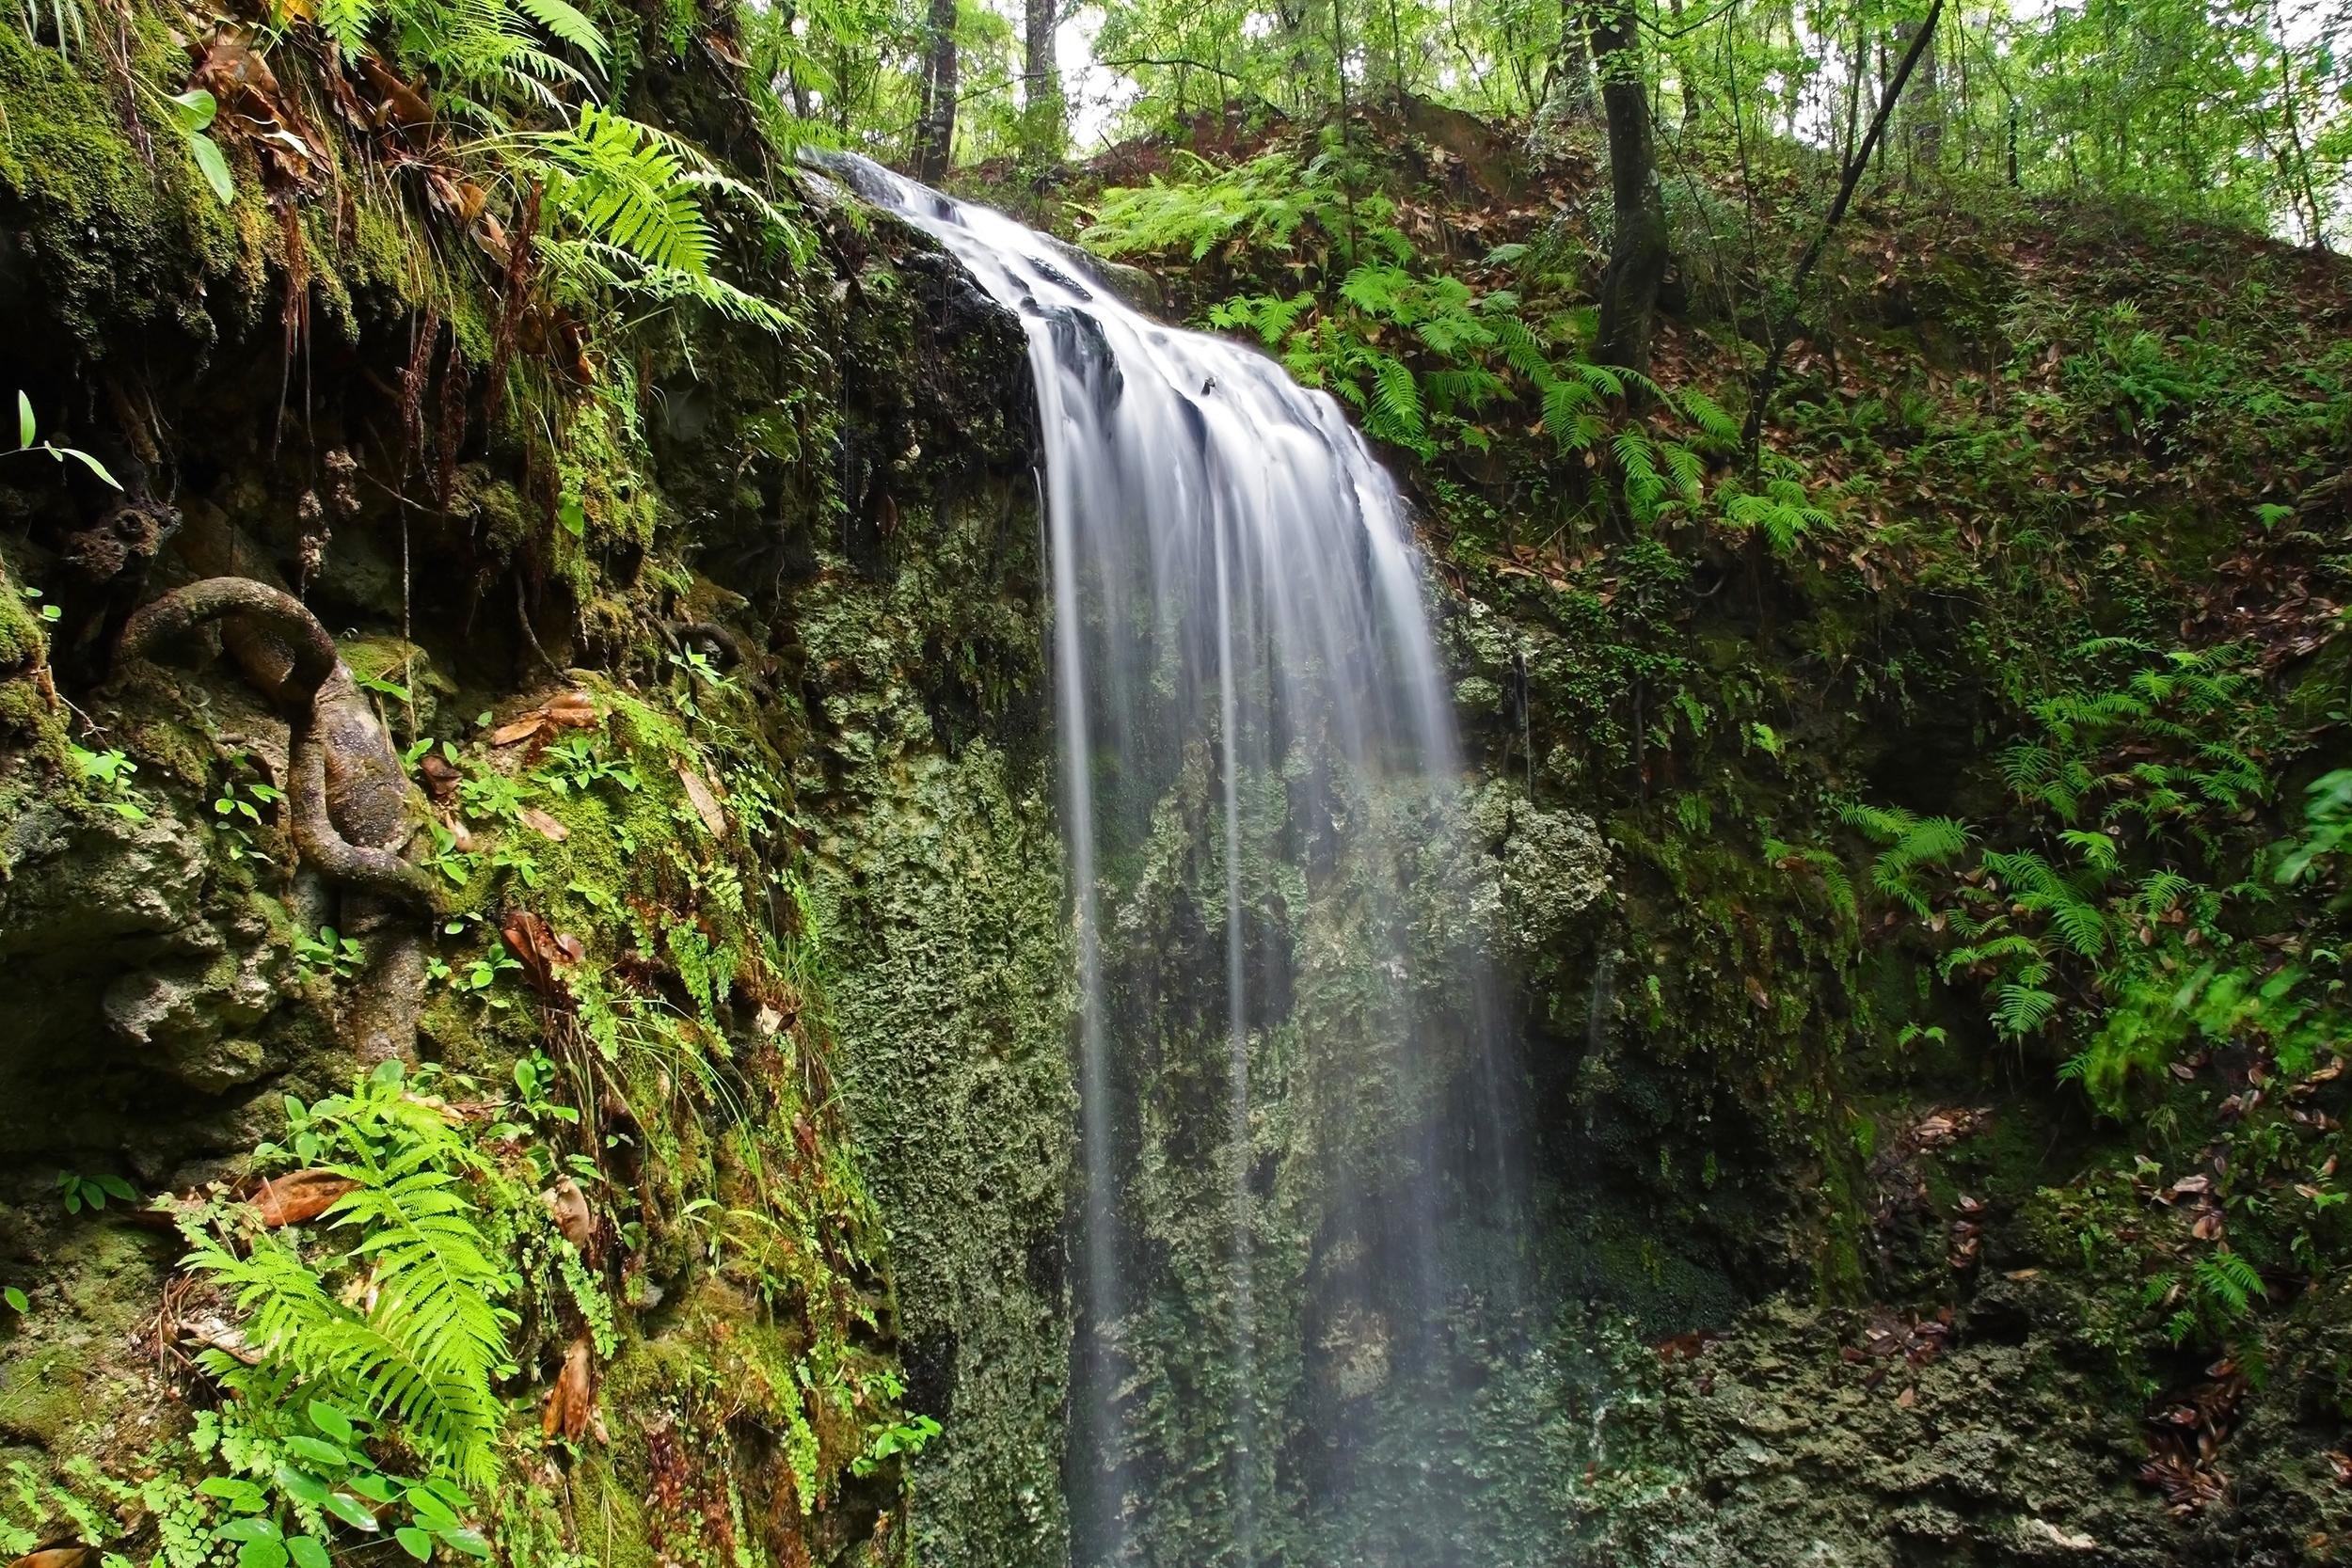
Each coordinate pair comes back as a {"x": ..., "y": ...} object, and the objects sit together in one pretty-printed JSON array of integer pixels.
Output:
[
  {"x": 344, "y": 788},
  {"x": 347, "y": 793}
]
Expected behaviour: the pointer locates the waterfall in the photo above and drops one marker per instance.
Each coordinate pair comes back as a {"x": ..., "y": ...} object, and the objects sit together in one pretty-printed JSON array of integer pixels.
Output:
[{"x": 1295, "y": 1237}]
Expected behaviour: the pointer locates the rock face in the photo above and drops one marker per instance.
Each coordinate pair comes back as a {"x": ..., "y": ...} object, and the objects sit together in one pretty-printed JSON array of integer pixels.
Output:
[
  {"x": 1805, "y": 1436},
  {"x": 141, "y": 986}
]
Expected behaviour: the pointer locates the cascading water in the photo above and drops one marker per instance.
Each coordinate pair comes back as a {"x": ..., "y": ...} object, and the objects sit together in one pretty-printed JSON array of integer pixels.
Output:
[{"x": 1296, "y": 1238}]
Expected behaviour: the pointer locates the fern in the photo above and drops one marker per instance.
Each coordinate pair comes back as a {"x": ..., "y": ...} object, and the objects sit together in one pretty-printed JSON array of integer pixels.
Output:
[
  {"x": 2022, "y": 1010},
  {"x": 1912, "y": 843},
  {"x": 347, "y": 22},
  {"x": 1568, "y": 414},
  {"x": 423, "y": 1337},
  {"x": 565, "y": 23},
  {"x": 2230, "y": 1282},
  {"x": 611, "y": 178},
  {"x": 1705, "y": 413},
  {"x": 625, "y": 204},
  {"x": 1523, "y": 351},
  {"x": 1395, "y": 397}
]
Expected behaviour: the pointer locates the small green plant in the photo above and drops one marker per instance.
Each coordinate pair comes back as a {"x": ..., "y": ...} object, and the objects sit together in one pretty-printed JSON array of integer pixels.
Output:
[
  {"x": 896, "y": 1437},
  {"x": 194, "y": 111},
  {"x": 477, "y": 976},
  {"x": 241, "y": 805},
  {"x": 80, "y": 1192},
  {"x": 93, "y": 1504},
  {"x": 419, "y": 1349},
  {"x": 572, "y": 767},
  {"x": 109, "y": 773},
  {"x": 329, "y": 952},
  {"x": 26, "y": 431},
  {"x": 305, "y": 1467},
  {"x": 535, "y": 1090}
]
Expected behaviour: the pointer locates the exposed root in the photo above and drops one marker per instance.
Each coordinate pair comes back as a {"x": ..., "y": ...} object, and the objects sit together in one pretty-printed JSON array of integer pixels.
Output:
[{"x": 346, "y": 794}]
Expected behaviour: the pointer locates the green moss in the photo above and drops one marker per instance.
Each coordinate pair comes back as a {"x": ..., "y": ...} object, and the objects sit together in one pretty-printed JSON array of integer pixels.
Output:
[{"x": 120, "y": 238}]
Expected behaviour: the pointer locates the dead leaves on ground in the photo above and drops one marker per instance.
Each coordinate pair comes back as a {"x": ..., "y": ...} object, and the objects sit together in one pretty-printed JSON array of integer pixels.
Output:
[
  {"x": 1902, "y": 1200},
  {"x": 1904, "y": 1338},
  {"x": 543, "y": 952},
  {"x": 2185, "y": 1436},
  {"x": 568, "y": 710}
]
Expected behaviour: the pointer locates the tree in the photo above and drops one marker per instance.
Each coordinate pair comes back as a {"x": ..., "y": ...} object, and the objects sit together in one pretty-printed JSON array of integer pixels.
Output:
[
  {"x": 1923, "y": 103},
  {"x": 1043, "y": 129},
  {"x": 1768, "y": 379},
  {"x": 1638, "y": 251},
  {"x": 1570, "y": 90},
  {"x": 935, "y": 131}
]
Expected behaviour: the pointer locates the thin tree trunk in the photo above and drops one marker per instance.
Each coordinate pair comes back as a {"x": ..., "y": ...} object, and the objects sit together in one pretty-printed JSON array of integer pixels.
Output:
[
  {"x": 1041, "y": 110},
  {"x": 1922, "y": 106},
  {"x": 1636, "y": 249},
  {"x": 1768, "y": 379},
  {"x": 935, "y": 136},
  {"x": 2301, "y": 168},
  {"x": 1571, "y": 94}
]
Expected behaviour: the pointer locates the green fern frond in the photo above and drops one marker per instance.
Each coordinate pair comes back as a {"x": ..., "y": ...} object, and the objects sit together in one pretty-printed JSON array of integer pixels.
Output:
[
  {"x": 2022, "y": 1010},
  {"x": 2231, "y": 1282},
  {"x": 569, "y": 25},
  {"x": 347, "y": 22},
  {"x": 611, "y": 179},
  {"x": 1567, "y": 414},
  {"x": 1523, "y": 351},
  {"x": 1395, "y": 397},
  {"x": 1709, "y": 415}
]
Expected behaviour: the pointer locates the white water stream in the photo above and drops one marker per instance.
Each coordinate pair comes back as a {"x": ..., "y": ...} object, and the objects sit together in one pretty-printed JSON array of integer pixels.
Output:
[{"x": 1235, "y": 591}]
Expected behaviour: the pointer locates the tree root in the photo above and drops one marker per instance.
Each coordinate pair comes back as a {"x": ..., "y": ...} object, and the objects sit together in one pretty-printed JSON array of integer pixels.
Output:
[{"x": 347, "y": 793}]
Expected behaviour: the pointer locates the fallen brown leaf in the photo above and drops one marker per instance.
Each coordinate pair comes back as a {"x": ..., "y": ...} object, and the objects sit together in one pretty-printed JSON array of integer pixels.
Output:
[
  {"x": 574, "y": 1219},
  {"x": 545, "y": 826},
  {"x": 299, "y": 1196},
  {"x": 540, "y": 950},
  {"x": 571, "y": 1402},
  {"x": 56, "y": 1557},
  {"x": 706, "y": 802},
  {"x": 568, "y": 710}
]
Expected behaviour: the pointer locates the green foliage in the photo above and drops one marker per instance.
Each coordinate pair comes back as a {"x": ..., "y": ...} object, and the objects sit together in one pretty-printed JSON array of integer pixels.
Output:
[
  {"x": 1260, "y": 205},
  {"x": 1431, "y": 363},
  {"x": 329, "y": 952},
  {"x": 79, "y": 1192},
  {"x": 299, "y": 1465},
  {"x": 625, "y": 205},
  {"x": 108, "y": 774},
  {"x": 93, "y": 1504},
  {"x": 27, "y": 430},
  {"x": 490, "y": 53},
  {"x": 422, "y": 1352},
  {"x": 1914, "y": 846}
]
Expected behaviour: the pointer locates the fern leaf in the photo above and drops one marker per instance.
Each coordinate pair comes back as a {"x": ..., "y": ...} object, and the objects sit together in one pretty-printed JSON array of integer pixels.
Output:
[
  {"x": 1395, "y": 397},
  {"x": 569, "y": 25},
  {"x": 347, "y": 22}
]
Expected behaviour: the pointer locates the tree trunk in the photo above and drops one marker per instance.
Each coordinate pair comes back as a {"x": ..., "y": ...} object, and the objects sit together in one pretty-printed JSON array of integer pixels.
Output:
[
  {"x": 1043, "y": 127},
  {"x": 1922, "y": 108},
  {"x": 1637, "y": 252},
  {"x": 1768, "y": 379},
  {"x": 1571, "y": 92},
  {"x": 935, "y": 135}
]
